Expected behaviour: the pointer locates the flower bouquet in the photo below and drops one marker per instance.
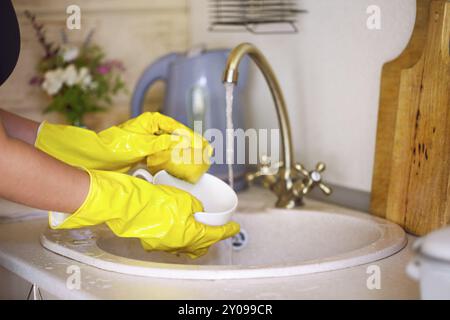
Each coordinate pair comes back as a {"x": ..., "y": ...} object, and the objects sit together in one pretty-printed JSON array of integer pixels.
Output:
[{"x": 78, "y": 79}]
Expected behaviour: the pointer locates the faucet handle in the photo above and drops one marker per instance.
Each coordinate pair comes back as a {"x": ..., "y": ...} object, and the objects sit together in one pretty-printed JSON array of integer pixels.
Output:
[
  {"x": 264, "y": 172},
  {"x": 313, "y": 178},
  {"x": 268, "y": 180},
  {"x": 266, "y": 167},
  {"x": 264, "y": 162}
]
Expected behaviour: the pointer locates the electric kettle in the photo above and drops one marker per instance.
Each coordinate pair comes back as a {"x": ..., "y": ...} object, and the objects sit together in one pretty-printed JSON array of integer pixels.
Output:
[{"x": 195, "y": 92}]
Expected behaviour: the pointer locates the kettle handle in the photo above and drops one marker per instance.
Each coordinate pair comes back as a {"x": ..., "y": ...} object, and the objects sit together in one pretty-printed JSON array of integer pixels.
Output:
[{"x": 156, "y": 71}]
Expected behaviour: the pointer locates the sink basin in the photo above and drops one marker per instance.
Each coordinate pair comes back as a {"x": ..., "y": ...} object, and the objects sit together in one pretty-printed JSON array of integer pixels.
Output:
[{"x": 273, "y": 243}]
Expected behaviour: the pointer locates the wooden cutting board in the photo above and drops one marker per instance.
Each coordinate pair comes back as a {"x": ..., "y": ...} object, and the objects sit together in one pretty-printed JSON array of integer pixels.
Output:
[{"x": 411, "y": 179}]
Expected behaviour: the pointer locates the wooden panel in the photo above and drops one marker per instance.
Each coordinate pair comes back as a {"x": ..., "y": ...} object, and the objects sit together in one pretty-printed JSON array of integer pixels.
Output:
[
  {"x": 136, "y": 32},
  {"x": 412, "y": 163},
  {"x": 387, "y": 113}
]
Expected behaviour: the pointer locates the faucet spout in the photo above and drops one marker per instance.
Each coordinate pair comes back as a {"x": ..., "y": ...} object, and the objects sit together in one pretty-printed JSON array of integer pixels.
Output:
[
  {"x": 231, "y": 74},
  {"x": 292, "y": 181}
]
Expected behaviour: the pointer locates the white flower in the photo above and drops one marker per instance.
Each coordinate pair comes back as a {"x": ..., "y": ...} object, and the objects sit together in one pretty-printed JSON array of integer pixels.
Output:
[
  {"x": 53, "y": 81},
  {"x": 93, "y": 85},
  {"x": 70, "y": 75},
  {"x": 84, "y": 78},
  {"x": 69, "y": 53},
  {"x": 87, "y": 81},
  {"x": 82, "y": 73}
]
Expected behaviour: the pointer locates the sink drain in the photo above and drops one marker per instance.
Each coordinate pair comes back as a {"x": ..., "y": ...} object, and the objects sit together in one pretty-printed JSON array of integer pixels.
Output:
[{"x": 240, "y": 240}]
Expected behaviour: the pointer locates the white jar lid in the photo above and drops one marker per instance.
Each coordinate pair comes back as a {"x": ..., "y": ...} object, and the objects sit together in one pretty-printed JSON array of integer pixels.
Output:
[{"x": 436, "y": 244}]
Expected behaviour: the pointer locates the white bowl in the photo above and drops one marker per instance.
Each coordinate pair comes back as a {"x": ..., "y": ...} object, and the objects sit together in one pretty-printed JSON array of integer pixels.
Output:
[{"x": 218, "y": 198}]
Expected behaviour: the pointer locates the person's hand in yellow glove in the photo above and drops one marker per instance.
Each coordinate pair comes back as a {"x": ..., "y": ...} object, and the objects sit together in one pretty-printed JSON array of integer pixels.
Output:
[
  {"x": 163, "y": 142},
  {"x": 160, "y": 216}
]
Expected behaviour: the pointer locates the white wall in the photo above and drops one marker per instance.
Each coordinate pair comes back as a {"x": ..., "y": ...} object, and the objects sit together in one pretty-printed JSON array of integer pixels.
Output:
[{"x": 330, "y": 73}]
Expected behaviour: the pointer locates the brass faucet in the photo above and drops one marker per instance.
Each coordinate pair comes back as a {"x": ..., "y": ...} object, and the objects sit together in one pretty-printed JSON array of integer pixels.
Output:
[{"x": 290, "y": 181}]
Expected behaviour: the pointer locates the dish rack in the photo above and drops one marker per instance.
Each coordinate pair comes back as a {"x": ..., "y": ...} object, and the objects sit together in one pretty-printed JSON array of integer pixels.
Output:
[{"x": 255, "y": 16}]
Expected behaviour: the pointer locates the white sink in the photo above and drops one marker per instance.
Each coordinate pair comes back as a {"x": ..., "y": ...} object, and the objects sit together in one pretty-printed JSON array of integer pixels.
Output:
[{"x": 278, "y": 243}]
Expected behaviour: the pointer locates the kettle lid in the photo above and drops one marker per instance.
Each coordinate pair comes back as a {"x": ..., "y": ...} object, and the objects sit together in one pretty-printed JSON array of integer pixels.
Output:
[{"x": 196, "y": 50}]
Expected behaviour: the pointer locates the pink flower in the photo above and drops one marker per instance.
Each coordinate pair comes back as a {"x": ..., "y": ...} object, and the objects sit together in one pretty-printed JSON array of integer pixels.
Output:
[
  {"x": 107, "y": 67},
  {"x": 103, "y": 69},
  {"x": 36, "y": 81},
  {"x": 117, "y": 64}
]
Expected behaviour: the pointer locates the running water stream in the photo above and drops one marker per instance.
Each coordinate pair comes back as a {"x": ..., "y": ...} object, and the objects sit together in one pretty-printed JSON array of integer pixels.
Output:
[{"x": 229, "y": 87}]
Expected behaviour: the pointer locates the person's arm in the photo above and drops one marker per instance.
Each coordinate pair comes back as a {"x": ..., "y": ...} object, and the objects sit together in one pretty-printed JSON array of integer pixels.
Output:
[
  {"x": 18, "y": 127},
  {"x": 33, "y": 178}
]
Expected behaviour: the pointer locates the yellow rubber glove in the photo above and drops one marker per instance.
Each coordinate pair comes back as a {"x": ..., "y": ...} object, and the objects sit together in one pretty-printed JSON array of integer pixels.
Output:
[
  {"x": 165, "y": 143},
  {"x": 160, "y": 216},
  {"x": 191, "y": 157}
]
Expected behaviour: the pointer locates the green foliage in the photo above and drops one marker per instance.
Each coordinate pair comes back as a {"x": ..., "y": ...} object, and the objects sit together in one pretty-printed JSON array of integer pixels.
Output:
[
  {"x": 75, "y": 100},
  {"x": 74, "y": 103}
]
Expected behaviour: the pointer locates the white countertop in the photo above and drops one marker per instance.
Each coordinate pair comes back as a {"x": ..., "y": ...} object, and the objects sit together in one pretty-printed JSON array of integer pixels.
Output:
[{"x": 22, "y": 253}]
